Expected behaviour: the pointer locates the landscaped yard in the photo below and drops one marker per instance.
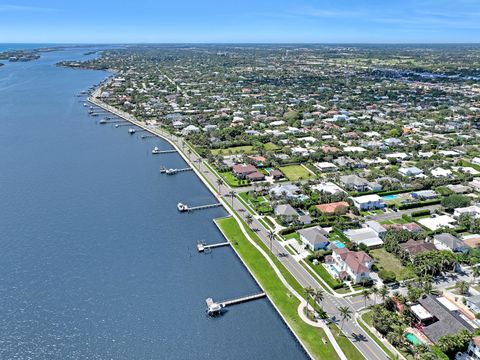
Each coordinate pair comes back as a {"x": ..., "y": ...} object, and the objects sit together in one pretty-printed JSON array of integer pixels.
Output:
[
  {"x": 246, "y": 149},
  {"x": 261, "y": 204},
  {"x": 388, "y": 261},
  {"x": 232, "y": 179},
  {"x": 296, "y": 172},
  {"x": 281, "y": 297}
]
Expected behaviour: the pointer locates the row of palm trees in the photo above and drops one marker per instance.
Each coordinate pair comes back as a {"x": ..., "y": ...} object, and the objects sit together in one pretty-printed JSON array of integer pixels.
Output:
[{"x": 374, "y": 291}]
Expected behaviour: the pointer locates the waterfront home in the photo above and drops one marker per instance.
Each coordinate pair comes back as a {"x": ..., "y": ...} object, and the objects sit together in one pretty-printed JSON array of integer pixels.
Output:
[
  {"x": 413, "y": 247},
  {"x": 424, "y": 194},
  {"x": 242, "y": 170},
  {"x": 435, "y": 320},
  {"x": 350, "y": 265},
  {"x": 276, "y": 174},
  {"x": 285, "y": 191},
  {"x": 332, "y": 208},
  {"x": 473, "y": 210},
  {"x": 368, "y": 202},
  {"x": 410, "y": 171},
  {"x": 256, "y": 176},
  {"x": 436, "y": 222},
  {"x": 446, "y": 241},
  {"x": 366, "y": 236},
  {"x": 313, "y": 238},
  {"x": 286, "y": 212}
]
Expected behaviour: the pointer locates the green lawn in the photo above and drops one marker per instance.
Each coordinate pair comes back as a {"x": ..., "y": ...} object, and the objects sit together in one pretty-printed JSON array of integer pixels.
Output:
[
  {"x": 279, "y": 295},
  {"x": 388, "y": 261},
  {"x": 295, "y": 172},
  {"x": 232, "y": 180},
  {"x": 270, "y": 146},
  {"x": 246, "y": 149}
]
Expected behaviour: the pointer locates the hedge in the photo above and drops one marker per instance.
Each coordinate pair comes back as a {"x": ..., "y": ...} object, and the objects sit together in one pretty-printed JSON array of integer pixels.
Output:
[
  {"x": 420, "y": 213},
  {"x": 420, "y": 204}
]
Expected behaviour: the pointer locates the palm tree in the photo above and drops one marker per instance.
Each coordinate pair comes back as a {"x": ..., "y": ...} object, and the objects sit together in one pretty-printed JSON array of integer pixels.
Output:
[
  {"x": 249, "y": 219},
  {"x": 219, "y": 183},
  {"x": 476, "y": 272},
  {"x": 271, "y": 237},
  {"x": 232, "y": 194},
  {"x": 189, "y": 152},
  {"x": 345, "y": 314},
  {"x": 366, "y": 296},
  {"x": 383, "y": 292},
  {"x": 374, "y": 292},
  {"x": 308, "y": 292},
  {"x": 318, "y": 296}
]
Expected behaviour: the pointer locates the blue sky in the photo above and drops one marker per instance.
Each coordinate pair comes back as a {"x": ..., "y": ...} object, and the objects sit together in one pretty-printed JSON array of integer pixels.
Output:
[{"x": 320, "y": 21}]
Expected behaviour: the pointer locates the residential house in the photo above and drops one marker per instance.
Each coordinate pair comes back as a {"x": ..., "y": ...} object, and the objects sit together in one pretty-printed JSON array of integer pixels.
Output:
[
  {"x": 354, "y": 182},
  {"x": 473, "y": 210},
  {"x": 351, "y": 265},
  {"x": 314, "y": 238},
  {"x": 332, "y": 207},
  {"x": 328, "y": 187},
  {"x": 473, "y": 350},
  {"x": 436, "y": 222},
  {"x": 286, "y": 212},
  {"x": 424, "y": 194},
  {"x": 256, "y": 176},
  {"x": 435, "y": 320},
  {"x": 412, "y": 247},
  {"x": 326, "y": 166},
  {"x": 446, "y": 241},
  {"x": 368, "y": 202},
  {"x": 473, "y": 303},
  {"x": 288, "y": 191},
  {"x": 366, "y": 236},
  {"x": 410, "y": 171},
  {"x": 242, "y": 170},
  {"x": 440, "y": 172}
]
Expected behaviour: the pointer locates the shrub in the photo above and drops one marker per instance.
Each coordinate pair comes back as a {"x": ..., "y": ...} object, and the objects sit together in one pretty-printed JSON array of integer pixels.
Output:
[{"x": 387, "y": 276}]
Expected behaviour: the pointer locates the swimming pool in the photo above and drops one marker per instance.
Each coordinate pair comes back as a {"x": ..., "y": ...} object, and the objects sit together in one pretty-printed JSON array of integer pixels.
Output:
[
  {"x": 339, "y": 244},
  {"x": 412, "y": 339},
  {"x": 389, "y": 197}
]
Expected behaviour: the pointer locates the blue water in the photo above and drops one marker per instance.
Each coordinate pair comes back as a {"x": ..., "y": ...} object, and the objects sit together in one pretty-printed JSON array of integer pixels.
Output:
[
  {"x": 96, "y": 263},
  {"x": 389, "y": 197},
  {"x": 339, "y": 244}
]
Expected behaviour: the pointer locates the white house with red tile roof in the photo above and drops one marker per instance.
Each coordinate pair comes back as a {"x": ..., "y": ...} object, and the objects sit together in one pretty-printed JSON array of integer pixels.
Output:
[{"x": 355, "y": 265}]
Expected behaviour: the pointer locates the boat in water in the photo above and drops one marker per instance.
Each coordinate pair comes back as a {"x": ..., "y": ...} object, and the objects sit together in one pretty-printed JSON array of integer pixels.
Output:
[
  {"x": 103, "y": 121},
  {"x": 182, "y": 207},
  {"x": 156, "y": 150},
  {"x": 132, "y": 131}
]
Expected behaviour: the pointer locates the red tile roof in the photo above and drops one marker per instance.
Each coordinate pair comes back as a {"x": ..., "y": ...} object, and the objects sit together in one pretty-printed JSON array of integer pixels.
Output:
[{"x": 330, "y": 208}]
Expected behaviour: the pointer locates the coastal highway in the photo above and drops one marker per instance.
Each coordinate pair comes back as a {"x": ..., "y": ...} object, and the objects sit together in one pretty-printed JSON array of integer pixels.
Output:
[{"x": 330, "y": 304}]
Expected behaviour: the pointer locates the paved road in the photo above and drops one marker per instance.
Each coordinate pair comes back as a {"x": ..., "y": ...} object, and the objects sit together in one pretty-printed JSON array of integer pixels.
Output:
[
  {"x": 398, "y": 214},
  {"x": 330, "y": 304}
]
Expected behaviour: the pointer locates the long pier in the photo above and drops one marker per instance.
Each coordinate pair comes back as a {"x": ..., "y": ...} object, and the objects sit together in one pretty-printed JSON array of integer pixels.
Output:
[
  {"x": 202, "y": 247},
  {"x": 174, "y": 171},
  {"x": 214, "y": 308},
  {"x": 157, "y": 152},
  {"x": 185, "y": 208}
]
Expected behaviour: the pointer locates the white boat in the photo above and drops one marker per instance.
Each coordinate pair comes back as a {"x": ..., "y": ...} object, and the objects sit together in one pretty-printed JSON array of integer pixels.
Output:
[
  {"x": 171, "y": 171},
  {"x": 103, "y": 121},
  {"x": 182, "y": 207},
  {"x": 131, "y": 131},
  {"x": 156, "y": 150}
]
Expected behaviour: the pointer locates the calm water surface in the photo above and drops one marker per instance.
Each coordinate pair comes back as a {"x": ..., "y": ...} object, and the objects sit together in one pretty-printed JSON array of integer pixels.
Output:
[{"x": 95, "y": 261}]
